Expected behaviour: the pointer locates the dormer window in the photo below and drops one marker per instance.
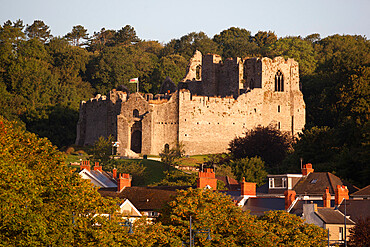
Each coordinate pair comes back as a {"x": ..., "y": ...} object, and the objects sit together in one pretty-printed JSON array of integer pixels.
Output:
[
  {"x": 279, "y": 81},
  {"x": 277, "y": 183}
]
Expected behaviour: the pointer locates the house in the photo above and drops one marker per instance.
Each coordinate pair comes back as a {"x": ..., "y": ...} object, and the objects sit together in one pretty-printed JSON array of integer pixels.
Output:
[
  {"x": 363, "y": 193},
  {"x": 97, "y": 176},
  {"x": 308, "y": 185},
  {"x": 337, "y": 224}
]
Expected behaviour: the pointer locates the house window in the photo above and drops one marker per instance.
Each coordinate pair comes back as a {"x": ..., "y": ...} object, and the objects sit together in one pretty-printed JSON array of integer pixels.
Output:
[
  {"x": 277, "y": 182},
  {"x": 279, "y": 81},
  {"x": 283, "y": 180},
  {"x": 313, "y": 181},
  {"x": 341, "y": 233},
  {"x": 278, "y": 108},
  {"x": 271, "y": 183}
]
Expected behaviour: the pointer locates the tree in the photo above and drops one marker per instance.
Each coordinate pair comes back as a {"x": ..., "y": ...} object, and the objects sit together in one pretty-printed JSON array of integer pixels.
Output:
[
  {"x": 135, "y": 169},
  {"x": 252, "y": 169},
  {"x": 177, "y": 178},
  {"x": 126, "y": 36},
  {"x": 292, "y": 231},
  {"x": 228, "y": 224},
  {"x": 235, "y": 42},
  {"x": 78, "y": 32},
  {"x": 264, "y": 40},
  {"x": 38, "y": 30},
  {"x": 360, "y": 234},
  {"x": 173, "y": 66},
  {"x": 102, "y": 149},
  {"x": 266, "y": 142},
  {"x": 170, "y": 156},
  {"x": 117, "y": 65},
  {"x": 45, "y": 203},
  {"x": 101, "y": 39},
  {"x": 295, "y": 47}
]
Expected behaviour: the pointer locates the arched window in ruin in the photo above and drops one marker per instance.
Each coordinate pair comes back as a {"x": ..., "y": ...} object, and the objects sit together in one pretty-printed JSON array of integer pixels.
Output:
[
  {"x": 198, "y": 72},
  {"x": 135, "y": 113},
  {"x": 166, "y": 148},
  {"x": 279, "y": 81}
]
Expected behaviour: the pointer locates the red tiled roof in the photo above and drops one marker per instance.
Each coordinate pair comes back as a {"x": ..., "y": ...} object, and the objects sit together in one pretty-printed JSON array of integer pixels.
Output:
[{"x": 144, "y": 198}]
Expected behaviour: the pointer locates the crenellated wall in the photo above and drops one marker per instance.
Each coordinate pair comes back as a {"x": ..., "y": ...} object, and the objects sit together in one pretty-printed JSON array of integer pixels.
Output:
[{"x": 206, "y": 113}]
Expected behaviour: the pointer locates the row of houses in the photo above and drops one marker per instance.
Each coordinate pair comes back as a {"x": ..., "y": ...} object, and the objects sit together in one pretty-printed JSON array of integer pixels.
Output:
[{"x": 321, "y": 198}]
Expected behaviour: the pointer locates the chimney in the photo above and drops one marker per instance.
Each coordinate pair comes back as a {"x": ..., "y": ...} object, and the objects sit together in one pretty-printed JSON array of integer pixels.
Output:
[
  {"x": 124, "y": 180},
  {"x": 341, "y": 193},
  {"x": 307, "y": 169},
  {"x": 326, "y": 198},
  {"x": 289, "y": 198},
  {"x": 114, "y": 173},
  {"x": 248, "y": 188},
  {"x": 85, "y": 165},
  {"x": 97, "y": 167},
  {"x": 208, "y": 177}
]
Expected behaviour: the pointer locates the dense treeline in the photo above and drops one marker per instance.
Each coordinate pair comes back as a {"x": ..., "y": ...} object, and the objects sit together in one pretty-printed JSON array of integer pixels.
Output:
[{"x": 43, "y": 79}]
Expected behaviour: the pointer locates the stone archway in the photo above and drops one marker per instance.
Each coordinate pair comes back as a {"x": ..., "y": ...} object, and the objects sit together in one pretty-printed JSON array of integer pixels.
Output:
[{"x": 136, "y": 137}]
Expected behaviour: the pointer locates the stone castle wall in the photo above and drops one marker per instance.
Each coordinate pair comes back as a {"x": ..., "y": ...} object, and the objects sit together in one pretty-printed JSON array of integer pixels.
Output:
[{"x": 218, "y": 101}]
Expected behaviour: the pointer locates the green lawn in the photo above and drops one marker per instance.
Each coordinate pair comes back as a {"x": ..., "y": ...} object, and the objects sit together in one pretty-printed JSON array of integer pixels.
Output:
[
  {"x": 154, "y": 169},
  {"x": 71, "y": 158},
  {"x": 194, "y": 160}
]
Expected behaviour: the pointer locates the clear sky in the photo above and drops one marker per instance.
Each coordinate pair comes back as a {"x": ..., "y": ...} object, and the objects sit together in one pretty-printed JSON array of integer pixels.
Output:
[{"x": 164, "y": 20}]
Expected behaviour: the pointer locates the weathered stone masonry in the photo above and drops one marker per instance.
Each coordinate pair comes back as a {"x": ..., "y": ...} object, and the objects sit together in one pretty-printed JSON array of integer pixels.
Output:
[{"x": 215, "y": 102}]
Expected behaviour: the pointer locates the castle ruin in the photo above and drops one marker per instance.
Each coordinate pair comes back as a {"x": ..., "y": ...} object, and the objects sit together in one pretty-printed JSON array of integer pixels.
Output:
[{"x": 215, "y": 102}]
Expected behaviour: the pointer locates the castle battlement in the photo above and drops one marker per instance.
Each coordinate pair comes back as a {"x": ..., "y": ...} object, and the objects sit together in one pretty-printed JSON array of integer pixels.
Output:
[{"x": 215, "y": 102}]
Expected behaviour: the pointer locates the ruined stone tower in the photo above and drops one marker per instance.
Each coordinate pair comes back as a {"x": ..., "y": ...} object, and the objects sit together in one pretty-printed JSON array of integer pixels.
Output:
[{"x": 215, "y": 102}]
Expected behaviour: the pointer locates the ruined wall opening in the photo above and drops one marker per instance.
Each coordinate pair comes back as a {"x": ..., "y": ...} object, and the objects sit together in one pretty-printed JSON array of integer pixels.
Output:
[
  {"x": 166, "y": 148},
  {"x": 135, "y": 113},
  {"x": 136, "y": 137},
  {"x": 198, "y": 72},
  {"x": 279, "y": 81}
]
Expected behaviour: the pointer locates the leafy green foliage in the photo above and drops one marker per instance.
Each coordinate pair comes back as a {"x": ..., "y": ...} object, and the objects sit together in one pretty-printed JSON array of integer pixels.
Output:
[
  {"x": 177, "y": 178},
  {"x": 252, "y": 169},
  {"x": 295, "y": 47},
  {"x": 360, "y": 233},
  {"x": 268, "y": 143},
  {"x": 42, "y": 202},
  {"x": 229, "y": 225},
  {"x": 291, "y": 230},
  {"x": 135, "y": 169},
  {"x": 38, "y": 30},
  {"x": 78, "y": 32},
  {"x": 102, "y": 150},
  {"x": 170, "y": 156}
]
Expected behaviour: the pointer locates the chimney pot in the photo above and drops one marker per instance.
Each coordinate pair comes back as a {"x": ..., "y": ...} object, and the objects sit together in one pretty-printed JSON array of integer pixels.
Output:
[
  {"x": 289, "y": 198},
  {"x": 207, "y": 178}
]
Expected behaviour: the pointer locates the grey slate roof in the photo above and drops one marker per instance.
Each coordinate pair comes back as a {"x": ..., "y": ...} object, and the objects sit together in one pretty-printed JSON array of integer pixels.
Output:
[
  {"x": 331, "y": 216},
  {"x": 362, "y": 192},
  {"x": 306, "y": 186},
  {"x": 356, "y": 208},
  {"x": 260, "y": 205}
]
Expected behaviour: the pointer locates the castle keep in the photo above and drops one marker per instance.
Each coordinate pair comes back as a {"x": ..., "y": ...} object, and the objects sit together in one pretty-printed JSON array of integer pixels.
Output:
[{"x": 215, "y": 102}]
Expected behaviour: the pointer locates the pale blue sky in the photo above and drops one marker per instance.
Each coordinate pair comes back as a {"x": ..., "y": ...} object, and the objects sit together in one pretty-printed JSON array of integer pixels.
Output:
[{"x": 164, "y": 20}]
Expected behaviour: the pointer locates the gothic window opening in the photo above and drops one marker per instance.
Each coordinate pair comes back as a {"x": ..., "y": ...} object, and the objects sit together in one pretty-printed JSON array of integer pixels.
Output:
[
  {"x": 279, "y": 81},
  {"x": 135, "y": 113},
  {"x": 166, "y": 148},
  {"x": 198, "y": 72}
]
